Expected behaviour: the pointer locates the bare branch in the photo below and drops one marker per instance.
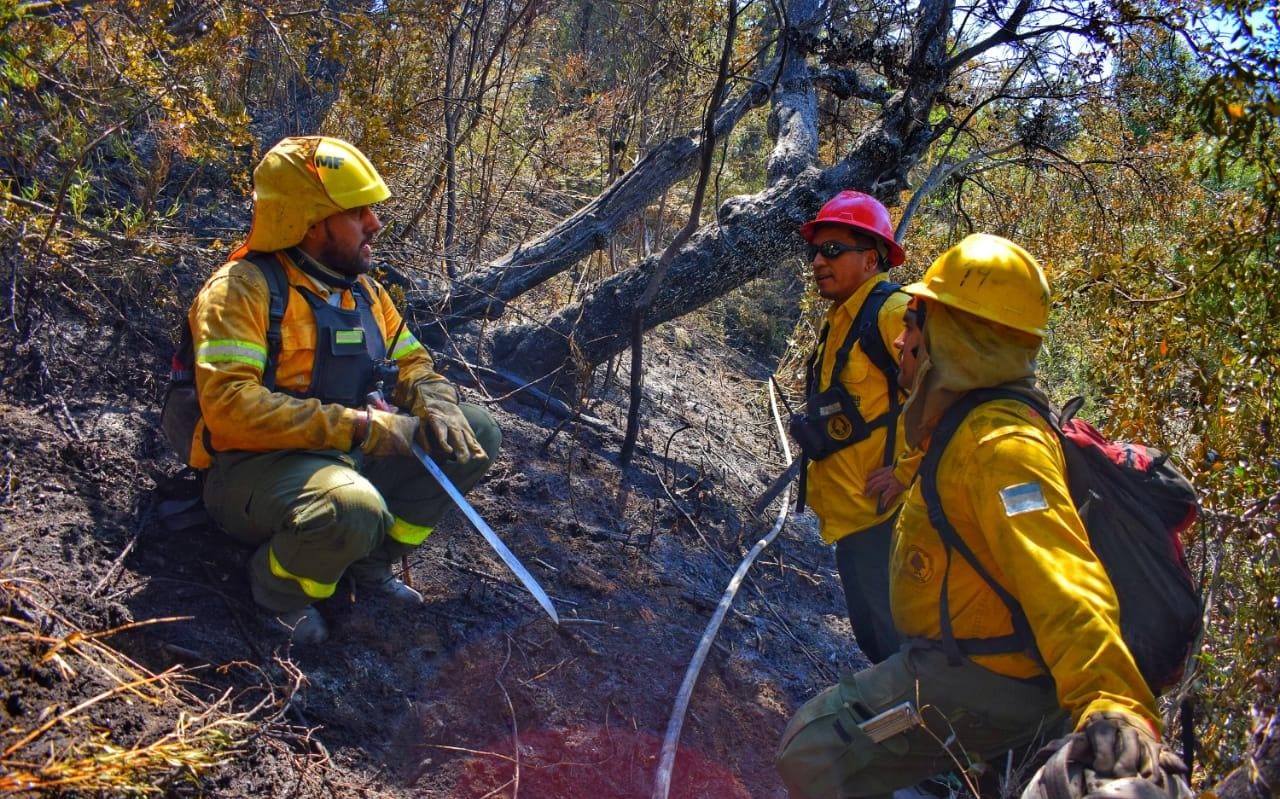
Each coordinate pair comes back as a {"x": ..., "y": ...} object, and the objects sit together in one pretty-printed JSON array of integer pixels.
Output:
[
  {"x": 1008, "y": 37},
  {"x": 591, "y": 227},
  {"x": 940, "y": 173},
  {"x": 847, "y": 84},
  {"x": 705, "y": 155},
  {"x": 1005, "y": 34}
]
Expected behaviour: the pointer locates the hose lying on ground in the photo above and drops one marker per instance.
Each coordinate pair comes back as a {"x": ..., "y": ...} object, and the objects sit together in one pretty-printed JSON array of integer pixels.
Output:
[{"x": 662, "y": 781}]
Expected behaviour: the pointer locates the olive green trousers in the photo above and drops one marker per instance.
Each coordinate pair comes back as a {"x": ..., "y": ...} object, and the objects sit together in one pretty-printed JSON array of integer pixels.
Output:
[
  {"x": 969, "y": 714},
  {"x": 315, "y": 514}
]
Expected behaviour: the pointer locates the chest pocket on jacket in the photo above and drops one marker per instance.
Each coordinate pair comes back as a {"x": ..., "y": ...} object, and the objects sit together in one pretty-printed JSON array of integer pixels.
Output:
[
  {"x": 856, "y": 370},
  {"x": 297, "y": 354}
]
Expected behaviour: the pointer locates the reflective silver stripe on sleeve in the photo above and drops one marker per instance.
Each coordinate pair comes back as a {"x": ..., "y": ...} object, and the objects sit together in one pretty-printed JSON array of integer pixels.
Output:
[
  {"x": 406, "y": 345},
  {"x": 232, "y": 351}
]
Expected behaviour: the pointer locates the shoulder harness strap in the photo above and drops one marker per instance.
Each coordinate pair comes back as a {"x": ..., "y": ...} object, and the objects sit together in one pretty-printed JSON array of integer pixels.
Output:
[
  {"x": 864, "y": 331},
  {"x": 872, "y": 343},
  {"x": 278, "y": 285},
  {"x": 278, "y": 289},
  {"x": 869, "y": 336},
  {"x": 1022, "y": 638}
]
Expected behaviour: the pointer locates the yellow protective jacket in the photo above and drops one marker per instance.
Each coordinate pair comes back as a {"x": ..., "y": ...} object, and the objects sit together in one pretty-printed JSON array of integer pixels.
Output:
[
  {"x": 229, "y": 335},
  {"x": 836, "y": 483},
  {"x": 1038, "y": 551}
]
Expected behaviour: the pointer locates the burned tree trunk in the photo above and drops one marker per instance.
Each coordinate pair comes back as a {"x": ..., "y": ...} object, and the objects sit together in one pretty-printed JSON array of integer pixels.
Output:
[
  {"x": 482, "y": 293},
  {"x": 751, "y": 234},
  {"x": 1260, "y": 774}
]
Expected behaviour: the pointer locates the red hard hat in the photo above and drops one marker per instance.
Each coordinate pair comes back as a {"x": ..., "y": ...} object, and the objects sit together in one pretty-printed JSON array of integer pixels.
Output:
[{"x": 861, "y": 212}]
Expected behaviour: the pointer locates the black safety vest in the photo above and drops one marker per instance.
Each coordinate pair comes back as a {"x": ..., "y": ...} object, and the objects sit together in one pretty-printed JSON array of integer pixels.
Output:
[
  {"x": 832, "y": 418},
  {"x": 350, "y": 355},
  {"x": 348, "y": 345}
]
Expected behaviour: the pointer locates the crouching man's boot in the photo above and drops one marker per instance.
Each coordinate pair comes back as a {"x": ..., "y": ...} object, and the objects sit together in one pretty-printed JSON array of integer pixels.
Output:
[
  {"x": 377, "y": 579},
  {"x": 305, "y": 625}
]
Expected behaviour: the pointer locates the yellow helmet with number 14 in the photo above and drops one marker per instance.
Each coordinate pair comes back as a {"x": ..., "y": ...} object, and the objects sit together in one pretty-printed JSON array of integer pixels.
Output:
[{"x": 992, "y": 278}]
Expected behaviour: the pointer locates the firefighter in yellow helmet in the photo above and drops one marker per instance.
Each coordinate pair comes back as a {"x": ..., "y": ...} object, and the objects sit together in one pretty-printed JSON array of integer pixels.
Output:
[
  {"x": 976, "y": 320},
  {"x": 290, "y": 337}
]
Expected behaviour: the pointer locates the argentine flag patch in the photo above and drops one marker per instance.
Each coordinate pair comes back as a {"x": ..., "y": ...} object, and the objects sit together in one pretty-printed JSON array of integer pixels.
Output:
[{"x": 1023, "y": 498}]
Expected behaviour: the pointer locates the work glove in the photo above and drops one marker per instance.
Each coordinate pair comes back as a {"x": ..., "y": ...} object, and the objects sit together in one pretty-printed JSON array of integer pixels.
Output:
[
  {"x": 391, "y": 434},
  {"x": 1114, "y": 755},
  {"x": 435, "y": 402},
  {"x": 1125, "y": 746}
]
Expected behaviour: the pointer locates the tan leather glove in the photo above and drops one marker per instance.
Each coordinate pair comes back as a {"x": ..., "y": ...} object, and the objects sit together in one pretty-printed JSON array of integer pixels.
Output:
[
  {"x": 1125, "y": 746},
  {"x": 1114, "y": 755},
  {"x": 391, "y": 434},
  {"x": 436, "y": 404}
]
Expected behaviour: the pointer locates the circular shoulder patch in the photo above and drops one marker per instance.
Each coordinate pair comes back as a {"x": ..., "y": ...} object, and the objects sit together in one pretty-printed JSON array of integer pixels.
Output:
[
  {"x": 919, "y": 564},
  {"x": 838, "y": 427}
]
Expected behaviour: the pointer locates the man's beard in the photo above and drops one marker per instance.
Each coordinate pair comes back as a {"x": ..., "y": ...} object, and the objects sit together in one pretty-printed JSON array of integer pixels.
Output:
[{"x": 344, "y": 263}]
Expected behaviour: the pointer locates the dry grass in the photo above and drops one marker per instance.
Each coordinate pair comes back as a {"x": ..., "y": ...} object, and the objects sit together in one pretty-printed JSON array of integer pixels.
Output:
[{"x": 74, "y": 749}]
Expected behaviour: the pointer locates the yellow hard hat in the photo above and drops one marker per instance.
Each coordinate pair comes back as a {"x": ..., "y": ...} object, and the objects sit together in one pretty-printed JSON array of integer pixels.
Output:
[
  {"x": 302, "y": 180},
  {"x": 992, "y": 278}
]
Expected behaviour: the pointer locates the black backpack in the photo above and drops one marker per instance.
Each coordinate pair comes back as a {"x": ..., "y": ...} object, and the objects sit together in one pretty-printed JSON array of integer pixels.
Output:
[
  {"x": 1134, "y": 506},
  {"x": 181, "y": 410}
]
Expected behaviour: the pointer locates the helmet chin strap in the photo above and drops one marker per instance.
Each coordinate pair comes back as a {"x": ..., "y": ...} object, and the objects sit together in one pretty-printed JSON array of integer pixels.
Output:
[{"x": 319, "y": 271}]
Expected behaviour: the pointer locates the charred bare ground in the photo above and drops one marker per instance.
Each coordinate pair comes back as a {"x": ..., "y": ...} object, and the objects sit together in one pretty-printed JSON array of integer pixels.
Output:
[
  {"x": 539, "y": 172},
  {"x": 478, "y": 690}
]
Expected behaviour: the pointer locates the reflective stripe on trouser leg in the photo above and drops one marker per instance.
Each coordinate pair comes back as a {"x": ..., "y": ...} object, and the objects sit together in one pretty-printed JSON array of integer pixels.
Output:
[
  {"x": 310, "y": 511},
  {"x": 330, "y": 531},
  {"x": 408, "y": 533},
  {"x": 403, "y": 537},
  {"x": 312, "y": 588},
  {"x": 416, "y": 499}
]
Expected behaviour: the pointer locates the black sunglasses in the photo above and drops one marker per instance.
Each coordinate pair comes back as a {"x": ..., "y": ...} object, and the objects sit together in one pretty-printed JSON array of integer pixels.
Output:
[{"x": 834, "y": 249}]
